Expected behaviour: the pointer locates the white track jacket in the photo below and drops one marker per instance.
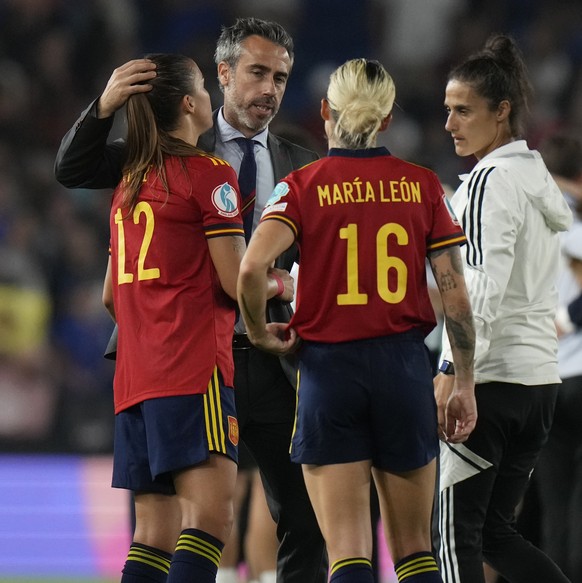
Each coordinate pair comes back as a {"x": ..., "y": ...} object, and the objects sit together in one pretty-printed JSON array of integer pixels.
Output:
[{"x": 512, "y": 211}]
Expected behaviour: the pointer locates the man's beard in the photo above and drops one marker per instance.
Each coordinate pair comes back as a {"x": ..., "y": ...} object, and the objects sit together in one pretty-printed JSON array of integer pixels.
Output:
[{"x": 241, "y": 111}]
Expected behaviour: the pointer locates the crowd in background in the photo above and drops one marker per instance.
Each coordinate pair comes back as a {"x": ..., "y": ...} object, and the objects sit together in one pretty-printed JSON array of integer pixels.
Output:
[{"x": 56, "y": 57}]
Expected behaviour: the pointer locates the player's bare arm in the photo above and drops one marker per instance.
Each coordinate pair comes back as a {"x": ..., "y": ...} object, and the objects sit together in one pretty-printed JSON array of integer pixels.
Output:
[
  {"x": 281, "y": 285},
  {"x": 447, "y": 267},
  {"x": 455, "y": 395},
  {"x": 270, "y": 239},
  {"x": 226, "y": 254}
]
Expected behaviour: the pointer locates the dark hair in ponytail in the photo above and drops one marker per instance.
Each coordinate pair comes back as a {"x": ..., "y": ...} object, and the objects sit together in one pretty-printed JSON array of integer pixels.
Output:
[
  {"x": 151, "y": 116},
  {"x": 498, "y": 73}
]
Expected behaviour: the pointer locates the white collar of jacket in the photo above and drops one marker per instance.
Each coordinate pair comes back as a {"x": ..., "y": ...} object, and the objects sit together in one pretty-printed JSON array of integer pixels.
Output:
[{"x": 535, "y": 180}]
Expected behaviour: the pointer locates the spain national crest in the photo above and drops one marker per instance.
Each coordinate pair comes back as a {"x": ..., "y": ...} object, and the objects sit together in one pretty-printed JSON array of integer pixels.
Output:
[{"x": 233, "y": 430}]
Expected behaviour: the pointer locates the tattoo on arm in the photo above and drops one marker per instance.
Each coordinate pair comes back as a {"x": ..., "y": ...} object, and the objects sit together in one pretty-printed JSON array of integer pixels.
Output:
[
  {"x": 446, "y": 279},
  {"x": 458, "y": 331},
  {"x": 454, "y": 254},
  {"x": 458, "y": 313},
  {"x": 461, "y": 331}
]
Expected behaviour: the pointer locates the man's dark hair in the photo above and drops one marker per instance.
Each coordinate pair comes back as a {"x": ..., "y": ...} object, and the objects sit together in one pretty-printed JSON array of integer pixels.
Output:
[{"x": 228, "y": 46}]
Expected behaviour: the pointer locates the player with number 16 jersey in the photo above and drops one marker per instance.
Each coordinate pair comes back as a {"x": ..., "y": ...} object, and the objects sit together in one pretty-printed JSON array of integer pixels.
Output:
[
  {"x": 385, "y": 225},
  {"x": 366, "y": 223}
]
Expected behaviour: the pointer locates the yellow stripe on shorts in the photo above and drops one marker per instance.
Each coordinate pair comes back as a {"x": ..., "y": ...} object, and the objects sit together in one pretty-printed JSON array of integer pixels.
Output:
[{"x": 213, "y": 416}]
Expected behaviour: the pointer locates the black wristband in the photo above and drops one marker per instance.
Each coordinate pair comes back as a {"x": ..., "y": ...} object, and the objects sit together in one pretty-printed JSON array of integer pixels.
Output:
[{"x": 447, "y": 367}]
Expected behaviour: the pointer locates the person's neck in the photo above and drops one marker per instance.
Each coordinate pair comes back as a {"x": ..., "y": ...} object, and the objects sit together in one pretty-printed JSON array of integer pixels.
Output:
[
  {"x": 495, "y": 145},
  {"x": 336, "y": 144},
  {"x": 188, "y": 135}
]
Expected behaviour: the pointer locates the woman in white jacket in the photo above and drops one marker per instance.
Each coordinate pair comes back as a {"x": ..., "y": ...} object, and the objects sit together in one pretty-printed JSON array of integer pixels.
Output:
[{"x": 511, "y": 211}]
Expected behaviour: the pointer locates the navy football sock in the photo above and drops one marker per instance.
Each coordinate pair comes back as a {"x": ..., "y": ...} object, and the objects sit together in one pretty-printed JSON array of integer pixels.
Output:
[
  {"x": 146, "y": 565},
  {"x": 352, "y": 570},
  {"x": 418, "y": 568},
  {"x": 196, "y": 557}
]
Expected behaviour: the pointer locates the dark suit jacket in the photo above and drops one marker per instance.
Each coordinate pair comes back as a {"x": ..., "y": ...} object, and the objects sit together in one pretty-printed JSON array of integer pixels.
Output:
[{"x": 86, "y": 160}]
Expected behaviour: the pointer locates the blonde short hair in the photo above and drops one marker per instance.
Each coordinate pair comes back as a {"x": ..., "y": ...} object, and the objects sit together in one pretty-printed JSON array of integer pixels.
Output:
[{"x": 361, "y": 94}]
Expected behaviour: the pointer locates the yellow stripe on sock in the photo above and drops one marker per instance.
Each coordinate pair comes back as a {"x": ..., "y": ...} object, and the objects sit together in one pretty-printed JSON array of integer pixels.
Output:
[
  {"x": 194, "y": 544},
  {"x": 416, "y": 567},
  {"x": 350, "y": 561},
  {"x": 151, "y": 559}
]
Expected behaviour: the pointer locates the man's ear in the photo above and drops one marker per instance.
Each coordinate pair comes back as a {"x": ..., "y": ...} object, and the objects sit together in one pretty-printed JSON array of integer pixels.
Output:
[
  {"x": 385, "y": 122},
  {"x": 224, "y": 72}
]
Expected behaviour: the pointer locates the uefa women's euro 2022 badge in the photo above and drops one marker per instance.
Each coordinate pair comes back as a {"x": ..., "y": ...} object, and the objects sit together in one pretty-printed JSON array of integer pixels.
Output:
[
  {"x": 278, "y": 193},
  {"x": 225, "y": 200}
]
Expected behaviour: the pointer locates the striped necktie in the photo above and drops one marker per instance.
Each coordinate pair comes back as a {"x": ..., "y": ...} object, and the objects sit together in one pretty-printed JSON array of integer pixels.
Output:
[{"x": 247, "y": 181}]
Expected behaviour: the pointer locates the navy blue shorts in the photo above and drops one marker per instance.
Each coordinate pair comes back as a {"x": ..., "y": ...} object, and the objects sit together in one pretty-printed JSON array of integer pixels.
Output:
[
  {"x": 160, "y": 436},
  {"x": 368, "y": 399}
]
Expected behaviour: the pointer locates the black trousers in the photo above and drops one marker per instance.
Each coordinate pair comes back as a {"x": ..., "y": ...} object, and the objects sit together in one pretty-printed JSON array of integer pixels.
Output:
[
  {"x": 265, "y": 402},
  {"x": 477, "y": 516},
  {"x": 558, "y": 476}
]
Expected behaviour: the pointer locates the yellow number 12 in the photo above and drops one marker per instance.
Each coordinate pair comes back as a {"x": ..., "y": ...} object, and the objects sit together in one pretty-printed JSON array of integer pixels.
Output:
[{"x": 143, "y": 272}]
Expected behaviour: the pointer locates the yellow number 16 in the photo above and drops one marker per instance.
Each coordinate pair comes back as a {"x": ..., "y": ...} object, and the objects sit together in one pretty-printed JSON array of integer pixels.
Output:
[{"x": 384, "y": 263}]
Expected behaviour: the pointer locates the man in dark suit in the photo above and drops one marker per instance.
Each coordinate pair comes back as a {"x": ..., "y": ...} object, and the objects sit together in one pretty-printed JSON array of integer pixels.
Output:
[{"x": 254, "y": 59}]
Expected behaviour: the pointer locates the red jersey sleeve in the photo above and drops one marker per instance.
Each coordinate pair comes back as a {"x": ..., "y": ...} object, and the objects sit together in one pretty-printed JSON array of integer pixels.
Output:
[{"x": 220, "y": 204}]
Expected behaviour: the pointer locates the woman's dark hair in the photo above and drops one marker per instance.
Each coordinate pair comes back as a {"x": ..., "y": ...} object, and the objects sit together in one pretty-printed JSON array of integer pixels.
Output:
[
  {"x": 151, "y": 116},
  {"x": 498, "y": 73}
]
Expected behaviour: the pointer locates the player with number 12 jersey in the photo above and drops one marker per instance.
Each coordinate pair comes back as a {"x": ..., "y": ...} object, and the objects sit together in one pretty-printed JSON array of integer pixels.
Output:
[{"x": 161, "y": 265}]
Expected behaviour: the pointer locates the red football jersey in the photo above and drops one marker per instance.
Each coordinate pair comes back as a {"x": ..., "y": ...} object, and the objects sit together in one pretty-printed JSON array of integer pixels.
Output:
[
  {"x": 364, "y": 222},
  {"x": 175, "y": 321}
]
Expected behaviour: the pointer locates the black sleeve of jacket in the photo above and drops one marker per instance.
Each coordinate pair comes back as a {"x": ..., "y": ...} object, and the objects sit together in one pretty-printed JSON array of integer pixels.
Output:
[{"x": 85, "y": 159}]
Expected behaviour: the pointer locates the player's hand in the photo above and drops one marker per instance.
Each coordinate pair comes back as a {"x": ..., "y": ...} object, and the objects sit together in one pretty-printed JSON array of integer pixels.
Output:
[
  {"x": 288, "y": 281},
  {"x": 443, "y": 388},
  {"x": 456, "y": 408},
  {"x": 277, "y": 338},
  {"x": 130, "y": 78},
  {"x": 460, "y": 415}
]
